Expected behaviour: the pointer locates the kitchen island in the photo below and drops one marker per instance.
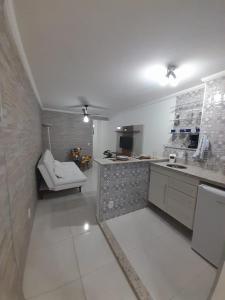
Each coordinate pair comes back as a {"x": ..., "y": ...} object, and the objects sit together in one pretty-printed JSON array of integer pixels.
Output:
[{"x": 122, "y": 186}]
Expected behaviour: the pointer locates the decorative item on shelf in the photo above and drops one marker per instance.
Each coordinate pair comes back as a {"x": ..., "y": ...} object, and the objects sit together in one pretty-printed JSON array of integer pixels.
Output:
[
  {"x": 173, "y": 131},
  {"x": 182, "y": 130},
  {"x": 82, "y": 161},
  {"x": 85, "y": 162},
  {"x": 75, "y": 154}
]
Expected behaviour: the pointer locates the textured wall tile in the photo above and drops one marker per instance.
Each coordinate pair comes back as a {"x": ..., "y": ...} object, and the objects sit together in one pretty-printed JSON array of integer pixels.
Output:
[
  {"x": 213, "y": 121},
  {"x": 68, "y": 131},
  {"x": 189, "y": 109},
  {"x": 20, "y": 148}
]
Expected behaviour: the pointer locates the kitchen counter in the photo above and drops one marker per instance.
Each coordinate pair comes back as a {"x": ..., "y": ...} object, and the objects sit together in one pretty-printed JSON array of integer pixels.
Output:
[
  {"x": 204, "y": 175},
  {"x": 111, "y": 161}
]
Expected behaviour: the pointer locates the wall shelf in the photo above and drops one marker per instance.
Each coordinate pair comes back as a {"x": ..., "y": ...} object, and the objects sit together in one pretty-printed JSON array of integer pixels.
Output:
[{"x": 179, "y": 148}]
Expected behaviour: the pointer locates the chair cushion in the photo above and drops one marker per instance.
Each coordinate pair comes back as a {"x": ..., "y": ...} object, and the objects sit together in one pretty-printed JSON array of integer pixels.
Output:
[
  {"x": 71, "y": 173},
  {"x": 58, "y": 169}
]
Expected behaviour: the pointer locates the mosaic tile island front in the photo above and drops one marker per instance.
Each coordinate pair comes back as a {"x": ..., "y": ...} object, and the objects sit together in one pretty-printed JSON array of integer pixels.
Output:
[{"x": 122, "y": 186}]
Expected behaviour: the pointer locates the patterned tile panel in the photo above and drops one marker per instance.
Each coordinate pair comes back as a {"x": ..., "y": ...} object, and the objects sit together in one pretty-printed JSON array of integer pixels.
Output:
[{"x": 122, "y": 188}]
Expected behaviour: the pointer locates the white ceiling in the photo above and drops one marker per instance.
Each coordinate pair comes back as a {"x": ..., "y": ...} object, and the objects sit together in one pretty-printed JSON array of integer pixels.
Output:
[{"x": 98, "y": 48}]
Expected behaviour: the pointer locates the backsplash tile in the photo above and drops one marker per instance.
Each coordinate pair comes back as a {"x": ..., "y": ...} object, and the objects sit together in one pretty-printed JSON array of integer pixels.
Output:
[
  {"x": 213, "y": 121},
  {"x": 212, "y": 124},
  {"x": 187, "y": 115}
]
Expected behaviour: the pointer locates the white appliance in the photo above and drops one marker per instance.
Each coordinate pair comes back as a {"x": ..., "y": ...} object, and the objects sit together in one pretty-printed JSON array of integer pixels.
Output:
[
  {"x": 209, "y": 224},
  {"x": 172, "y": 158}
]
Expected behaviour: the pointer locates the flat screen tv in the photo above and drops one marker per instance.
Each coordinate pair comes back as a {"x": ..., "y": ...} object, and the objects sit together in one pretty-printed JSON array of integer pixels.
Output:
[{"x": 126, "y": 142}]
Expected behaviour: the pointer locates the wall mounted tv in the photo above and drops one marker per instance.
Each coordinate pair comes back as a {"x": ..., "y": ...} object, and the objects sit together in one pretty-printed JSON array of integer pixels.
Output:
[{"x": 126, "y": 142}]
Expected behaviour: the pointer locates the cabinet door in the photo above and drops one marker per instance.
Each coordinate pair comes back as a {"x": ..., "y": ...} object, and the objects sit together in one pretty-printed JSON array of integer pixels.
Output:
[
  {"x": 157, "y": 189},
  {"x": 181, "y": 207}
]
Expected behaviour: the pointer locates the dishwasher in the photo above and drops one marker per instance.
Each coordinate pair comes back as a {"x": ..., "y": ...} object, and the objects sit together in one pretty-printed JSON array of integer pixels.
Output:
[{"x": 209, "y": 224}]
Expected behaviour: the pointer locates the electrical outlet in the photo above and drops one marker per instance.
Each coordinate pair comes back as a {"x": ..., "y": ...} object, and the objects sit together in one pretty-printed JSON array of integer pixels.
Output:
[
  {"x": 110, "y": 204},
  {"x": 29, "y": 213}
]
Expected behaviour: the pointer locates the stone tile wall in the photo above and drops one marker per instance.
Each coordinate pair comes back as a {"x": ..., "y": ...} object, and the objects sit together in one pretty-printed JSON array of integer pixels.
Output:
[
  {"x": 68, "y": 131},
  {"x": 20, "y": 148},
  {"x": 187, "y": 115},
  {"x": 213, "y": 122}
]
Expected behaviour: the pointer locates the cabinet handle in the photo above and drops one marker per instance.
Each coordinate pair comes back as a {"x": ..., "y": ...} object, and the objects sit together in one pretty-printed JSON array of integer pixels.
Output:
[{"x": 165, "y": 189}]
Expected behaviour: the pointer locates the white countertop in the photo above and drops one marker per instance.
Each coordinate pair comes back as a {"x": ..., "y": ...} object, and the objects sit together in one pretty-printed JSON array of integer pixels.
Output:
[
  {"x": 108, "y": 161},
  {"x": 215, "y": 178}
]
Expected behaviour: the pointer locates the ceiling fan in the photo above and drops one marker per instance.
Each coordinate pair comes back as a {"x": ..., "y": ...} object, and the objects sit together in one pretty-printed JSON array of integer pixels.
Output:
[{"x": 84, "y": 107}]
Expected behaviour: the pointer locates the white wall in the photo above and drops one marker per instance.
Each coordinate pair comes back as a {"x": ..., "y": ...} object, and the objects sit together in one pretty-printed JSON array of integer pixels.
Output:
[
  {"x": 102, "y": 138},
  {"x": 154, "y": 116}
]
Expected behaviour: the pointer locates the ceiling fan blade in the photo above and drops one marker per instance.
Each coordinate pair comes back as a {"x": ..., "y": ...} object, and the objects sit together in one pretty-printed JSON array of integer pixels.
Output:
[
  {"x": 98, "y": 107},
  {"x": 94, "y": 117},
  {"x": 74, "y": 106},
  {"x": 84, "y": 101}
]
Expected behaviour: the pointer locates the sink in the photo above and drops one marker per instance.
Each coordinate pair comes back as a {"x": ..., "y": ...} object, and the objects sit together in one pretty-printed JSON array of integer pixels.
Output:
[{"x": 176, "y": 166}]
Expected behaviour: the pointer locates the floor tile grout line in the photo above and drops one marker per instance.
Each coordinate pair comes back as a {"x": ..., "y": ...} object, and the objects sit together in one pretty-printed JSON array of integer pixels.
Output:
[
  {"x": 98, "y": 268},
  {"x": 51, "y": 244},
  {"x": 53, "y": 290},
  {"x": 78, "y": 265},
  {"x": 102, "y": 265}
]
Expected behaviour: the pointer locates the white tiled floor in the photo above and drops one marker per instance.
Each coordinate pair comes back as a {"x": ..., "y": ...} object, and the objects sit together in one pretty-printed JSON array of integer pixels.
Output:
[
  {"x": 67, "y": 261},
  {"x": 160, "y": 252}
]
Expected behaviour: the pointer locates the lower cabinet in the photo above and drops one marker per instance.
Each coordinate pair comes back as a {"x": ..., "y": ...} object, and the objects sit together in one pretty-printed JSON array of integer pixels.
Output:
[
  {"x": 181, "y": 207},
  {"x": 174, "y": 196},
  {"x": 157, "y": 191}
]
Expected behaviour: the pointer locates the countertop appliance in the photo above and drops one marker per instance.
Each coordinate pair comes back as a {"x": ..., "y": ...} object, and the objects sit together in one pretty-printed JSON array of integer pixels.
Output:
[
  {"x": 209, "y": 224},
  {"x": 193, "y": 137}
]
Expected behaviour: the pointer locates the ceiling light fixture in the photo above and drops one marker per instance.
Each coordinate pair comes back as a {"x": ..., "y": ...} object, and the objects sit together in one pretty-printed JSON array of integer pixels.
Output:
[
  {"x": 85, "y": 113},
  {"x": 171, "y": 75},
  {"x": 86, "y": 119},
  {"x": 167, "y": 76}
]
